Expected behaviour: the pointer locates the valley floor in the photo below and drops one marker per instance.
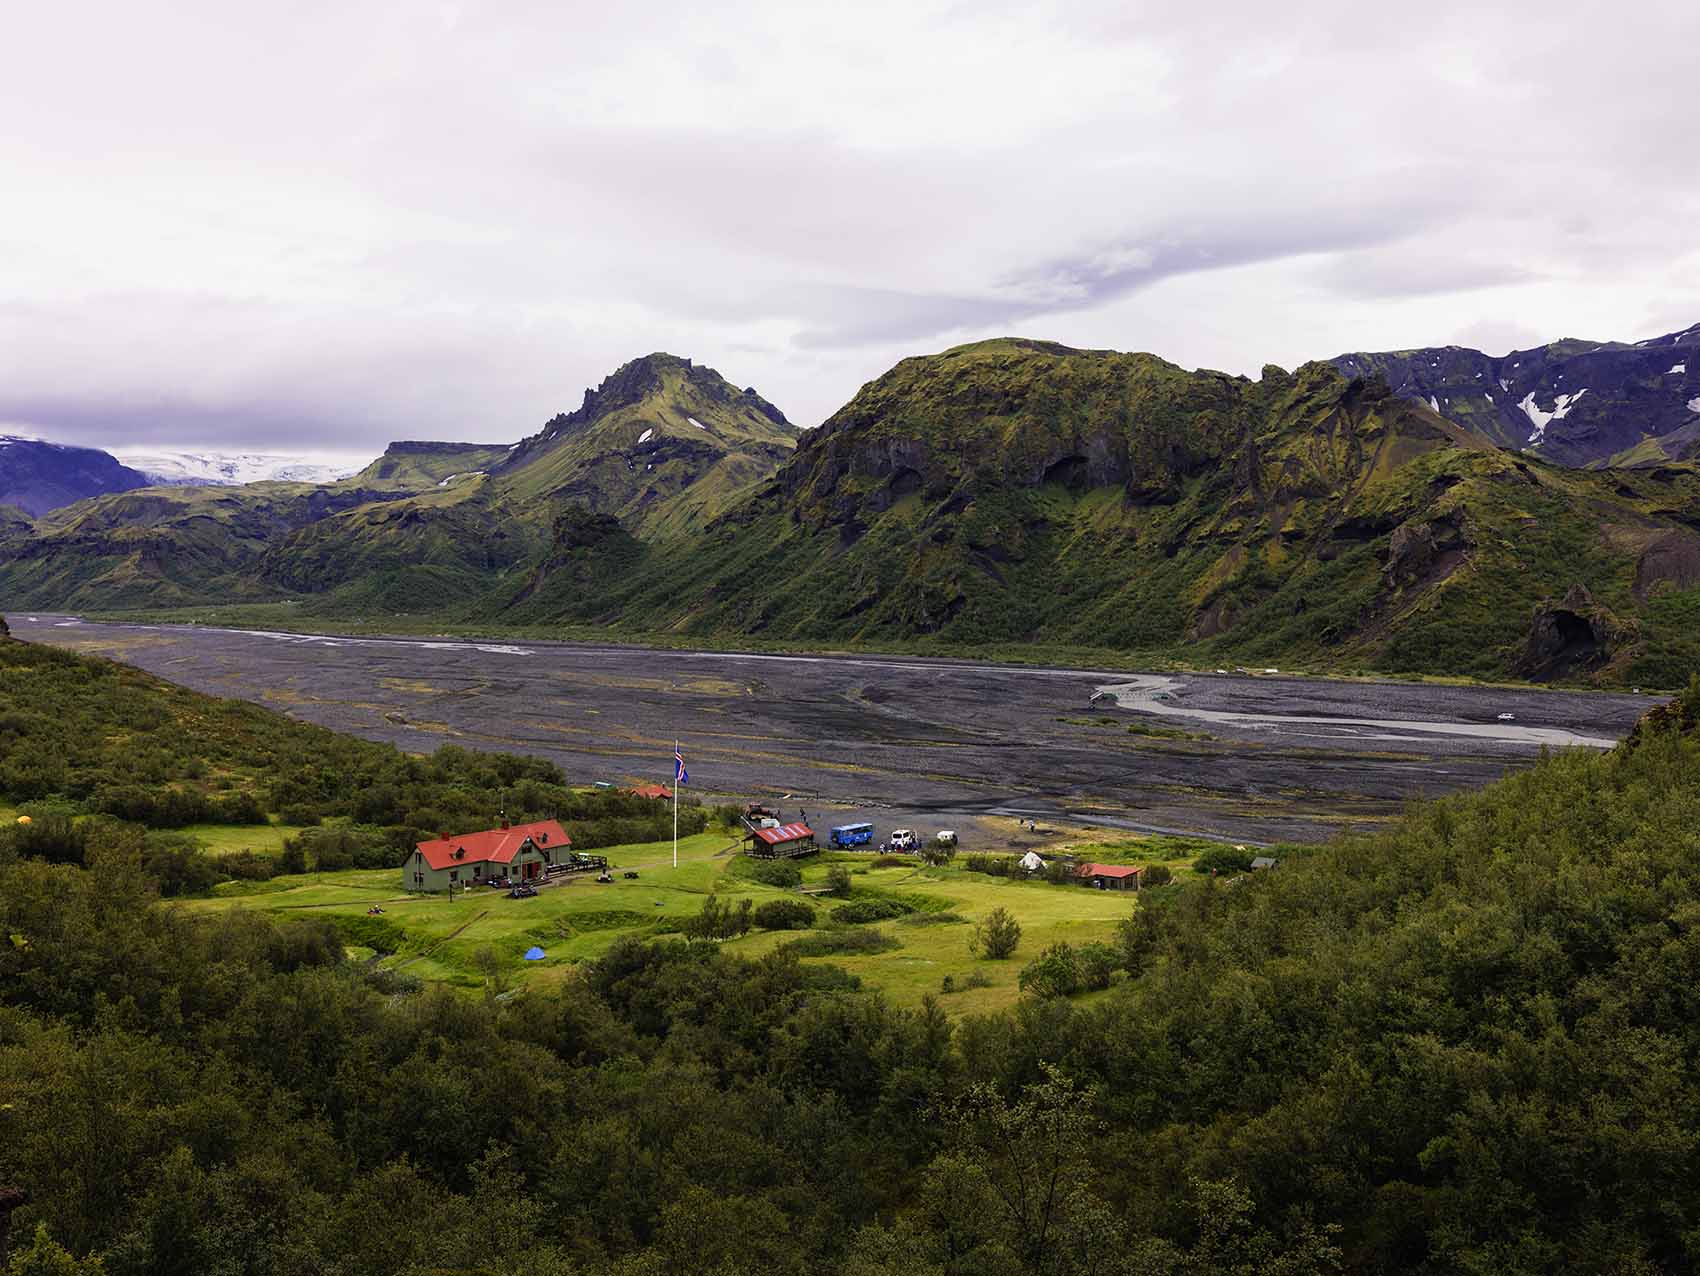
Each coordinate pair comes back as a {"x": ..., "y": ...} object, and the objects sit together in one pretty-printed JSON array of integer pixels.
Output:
[{"x": 898, "y": 740}]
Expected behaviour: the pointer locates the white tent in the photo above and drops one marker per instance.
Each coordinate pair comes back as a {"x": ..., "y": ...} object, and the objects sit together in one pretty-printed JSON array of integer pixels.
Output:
[{"x": 1031, "y": 863}]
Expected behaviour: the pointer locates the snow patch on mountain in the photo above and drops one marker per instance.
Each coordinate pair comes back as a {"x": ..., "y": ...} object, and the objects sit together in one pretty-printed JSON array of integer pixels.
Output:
[
  {"x": 1677, "y": 369},
  {"x": 1694, "y": 404},
  {"x": 1541, "y": 419},
  {"x": 227, "y": 469}
]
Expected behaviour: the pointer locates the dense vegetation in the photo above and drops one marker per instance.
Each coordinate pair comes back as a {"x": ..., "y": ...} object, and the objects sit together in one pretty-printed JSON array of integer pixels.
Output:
[
  {"x": 1465, "y": 1044},
  {"x": 80, "y": 737}
]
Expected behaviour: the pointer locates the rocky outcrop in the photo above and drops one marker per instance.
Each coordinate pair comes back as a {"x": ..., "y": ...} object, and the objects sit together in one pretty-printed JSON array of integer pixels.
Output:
[
  {"x": 1672, "y": 561},
  {"x": 1420, "y": 554},
  {"x": 1570, "y": 637}
]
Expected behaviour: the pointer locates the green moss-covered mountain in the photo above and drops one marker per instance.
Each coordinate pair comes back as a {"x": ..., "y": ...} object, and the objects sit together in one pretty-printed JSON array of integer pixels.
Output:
[
  {"x": 1017, "y": 492},
  {"x": 662, "y": 445},
  {"x": 1572, "y": 402},
  {"x": 1004, "y": 494}
]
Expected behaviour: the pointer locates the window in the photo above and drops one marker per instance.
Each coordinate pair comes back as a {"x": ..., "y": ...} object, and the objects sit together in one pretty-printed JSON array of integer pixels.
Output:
[{"x": 454, "y": 875}]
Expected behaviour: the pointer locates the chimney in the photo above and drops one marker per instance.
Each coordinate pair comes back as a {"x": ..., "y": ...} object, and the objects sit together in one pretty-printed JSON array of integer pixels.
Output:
[
  {"x": 504, "y": 824},
  {"x": 442, "y": 837}
]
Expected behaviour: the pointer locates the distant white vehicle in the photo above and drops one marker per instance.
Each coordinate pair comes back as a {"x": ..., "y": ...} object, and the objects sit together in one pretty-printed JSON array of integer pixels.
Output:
[
  {"x": 1508, "y": 717},
  {"x": 904, "y": 840},
  {"x": 946, "y": 837}
]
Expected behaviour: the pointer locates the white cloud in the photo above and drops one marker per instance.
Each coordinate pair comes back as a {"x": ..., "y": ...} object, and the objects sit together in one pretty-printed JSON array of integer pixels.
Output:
[{"x": 312, "y": 223}]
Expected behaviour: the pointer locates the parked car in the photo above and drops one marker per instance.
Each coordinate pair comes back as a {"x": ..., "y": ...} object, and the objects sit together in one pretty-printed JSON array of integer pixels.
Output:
[
  {"x": 1508, "y": 717},
  {"x": 946, "y": 837},
  {"x": 904, "y": 840},
  {"x": 522, "y": 891}
]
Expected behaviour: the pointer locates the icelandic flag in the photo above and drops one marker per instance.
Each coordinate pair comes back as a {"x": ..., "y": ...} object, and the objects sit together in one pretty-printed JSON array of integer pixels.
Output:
[{"x": 680, "y": 776}]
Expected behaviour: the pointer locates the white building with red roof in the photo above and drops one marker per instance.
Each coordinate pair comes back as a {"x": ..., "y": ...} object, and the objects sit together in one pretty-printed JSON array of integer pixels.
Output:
[{"x": 521, "y": 852}]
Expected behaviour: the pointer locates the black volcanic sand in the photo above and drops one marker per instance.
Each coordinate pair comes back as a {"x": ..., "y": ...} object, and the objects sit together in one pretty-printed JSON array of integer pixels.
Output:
[{"x": 894, "y": 740}]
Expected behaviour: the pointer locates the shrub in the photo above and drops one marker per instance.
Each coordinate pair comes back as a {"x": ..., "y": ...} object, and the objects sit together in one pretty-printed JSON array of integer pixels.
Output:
[
  {"x": 1097, "y": 962},
  {"x": 781, "y": 873},
  {"x": 838, "y": 881},
  {"x": 1056, "y": 973},
  {"x": 717, "y": 921},
  {"x": 1223, "y": 860},
  {"x": 784, "y": 914},
  {"x": 1159, "y": 875},
  {"x": 931, "y": 919},
  {"x": 863, "y": 911},
  {"x": 843, "y": 943},
  {"x": 993, "y": 865},
  {"x": 997, "y": 936}
]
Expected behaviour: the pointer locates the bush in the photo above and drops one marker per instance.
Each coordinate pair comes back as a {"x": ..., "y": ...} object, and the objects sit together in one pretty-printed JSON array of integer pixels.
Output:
[
  {"x": 1097, "y": 962},
  {"x": 718, "y": 921},
  {"x": 855, "y": 942},
  {"x": 931, "y": 919},
  {"x": 1056, "y": 973},
  {"x": 781, "y": 873},
  {"x": 1059, "y": 872},
  {"x": 997, "y": 936},
  {"x": 784, "y": 914},
  {"x": 993, "y": 865},
  {"x": 838, "y": 881},
  {"x": 863, "y": 911},
  {"x": 1159, "y": 875},
  {"x": 1223, "y": 860}
]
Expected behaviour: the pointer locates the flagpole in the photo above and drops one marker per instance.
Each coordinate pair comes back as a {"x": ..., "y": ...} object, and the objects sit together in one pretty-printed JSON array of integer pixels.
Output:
[{"x": 675, "y": 803}]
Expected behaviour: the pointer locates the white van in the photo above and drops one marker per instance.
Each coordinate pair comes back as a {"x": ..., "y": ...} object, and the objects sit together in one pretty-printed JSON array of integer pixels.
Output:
[{"x": 904, "y": 840}]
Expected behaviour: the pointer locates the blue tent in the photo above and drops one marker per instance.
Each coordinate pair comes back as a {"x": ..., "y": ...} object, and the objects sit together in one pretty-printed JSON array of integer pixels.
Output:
[{"x": 534, "y": 954}]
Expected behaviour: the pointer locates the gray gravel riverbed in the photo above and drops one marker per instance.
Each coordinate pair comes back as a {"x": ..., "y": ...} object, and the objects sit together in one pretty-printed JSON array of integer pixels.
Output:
[{"x": 893, "y": 739}]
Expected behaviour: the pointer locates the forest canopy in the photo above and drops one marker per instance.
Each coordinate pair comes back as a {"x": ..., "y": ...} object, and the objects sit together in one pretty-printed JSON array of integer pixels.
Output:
[{"x": 1465, "y": 1043}]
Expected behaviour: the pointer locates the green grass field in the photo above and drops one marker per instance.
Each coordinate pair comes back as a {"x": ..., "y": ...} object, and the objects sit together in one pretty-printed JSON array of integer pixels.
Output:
[
  {"x": 442, "y": 940},
  {"x": 224, "y": 839}
]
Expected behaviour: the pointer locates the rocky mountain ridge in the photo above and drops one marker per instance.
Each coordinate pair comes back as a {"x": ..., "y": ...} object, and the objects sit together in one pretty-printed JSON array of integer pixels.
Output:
[
  {"x": 37, "y": 476},
  {"x": 1575, "y": 403}
]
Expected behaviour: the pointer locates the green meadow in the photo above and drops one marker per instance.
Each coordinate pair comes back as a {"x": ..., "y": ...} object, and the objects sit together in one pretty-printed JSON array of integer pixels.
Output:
[{"x": 477, "y": 940}]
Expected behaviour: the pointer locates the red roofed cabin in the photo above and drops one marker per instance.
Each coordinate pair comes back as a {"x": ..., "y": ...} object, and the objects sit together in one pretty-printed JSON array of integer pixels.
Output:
[
  {"x": 524, "y": 851},
  {"x": 786, "y": 841},
  {"x": 1110, "y": 877}
]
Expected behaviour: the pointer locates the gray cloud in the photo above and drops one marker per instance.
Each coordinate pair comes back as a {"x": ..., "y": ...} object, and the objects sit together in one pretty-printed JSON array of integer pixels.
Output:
[{"x": 325, "y": 225}]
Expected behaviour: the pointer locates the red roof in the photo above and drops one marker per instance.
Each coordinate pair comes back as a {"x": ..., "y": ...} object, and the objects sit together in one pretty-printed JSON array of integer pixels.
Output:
[
  {"x": 1108, "y": 870},
  {"x": 651, "y": 791},
  {"x": 493, "y": 846},
  {"x": 785, "y": 833}
]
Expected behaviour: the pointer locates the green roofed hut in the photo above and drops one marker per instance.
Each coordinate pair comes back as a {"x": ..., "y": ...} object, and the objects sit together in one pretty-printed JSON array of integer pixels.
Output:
[{"x": 523, "y": 852}]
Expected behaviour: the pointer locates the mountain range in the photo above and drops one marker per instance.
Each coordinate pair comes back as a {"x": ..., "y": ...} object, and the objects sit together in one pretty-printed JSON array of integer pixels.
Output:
[
  {"x": 37, "y": 476},
  {"x": 1572, "y": 402},
  {"x": 1359, "y": 514}
]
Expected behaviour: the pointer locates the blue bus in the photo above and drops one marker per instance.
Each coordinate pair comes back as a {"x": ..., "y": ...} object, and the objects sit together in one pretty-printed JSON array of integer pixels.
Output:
[{"x": 852, "y": 835}]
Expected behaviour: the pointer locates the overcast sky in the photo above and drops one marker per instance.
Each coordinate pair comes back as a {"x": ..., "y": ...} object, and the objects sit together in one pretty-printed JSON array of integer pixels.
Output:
[{"x": 317, "y": 226}]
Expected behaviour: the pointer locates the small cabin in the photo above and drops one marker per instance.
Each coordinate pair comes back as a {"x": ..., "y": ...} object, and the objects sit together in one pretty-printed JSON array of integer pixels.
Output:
[
  {"x": 786, "y": 841},
  {"x": 523, "y": 852},
  {"x": 1110, "y": 877}
]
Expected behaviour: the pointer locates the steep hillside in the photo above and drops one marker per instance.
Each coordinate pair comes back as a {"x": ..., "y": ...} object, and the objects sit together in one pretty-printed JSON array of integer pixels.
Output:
[
  {"x": 160, "y": 547},
  {"x": 414, "y": 466},
  {"x": 37, "y": 477},
  {"x": 1016, "y": 492},
  {"x": 662, "y": 444},
  {"x": 1572, "y": 402},
  {"x": 434, "y": 551}
]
